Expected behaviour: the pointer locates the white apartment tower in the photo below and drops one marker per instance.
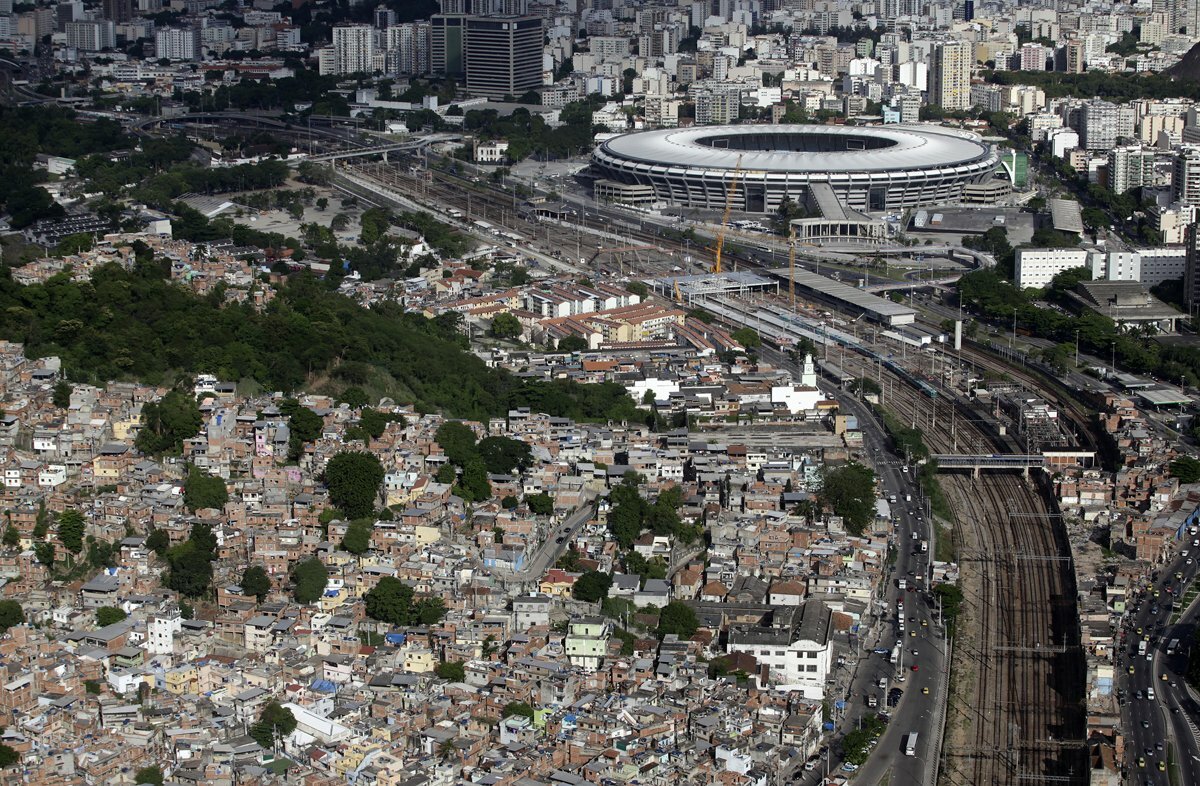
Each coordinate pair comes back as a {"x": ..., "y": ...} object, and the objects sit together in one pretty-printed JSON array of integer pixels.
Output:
[
  {"x": 1129, "y": 167},
  {"x": 950, "y": 76},
  {"x": 1185, "y": 178},
  {"x": 353, "y": 48}
]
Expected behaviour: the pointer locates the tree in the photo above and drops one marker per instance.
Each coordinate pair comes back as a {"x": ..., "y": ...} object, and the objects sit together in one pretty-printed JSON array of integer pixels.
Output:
[
  {"x": 1186, "y": 469},
  {"x": 625, "y": 521},
  {"x": 452, "y": 670},
  {"x": 572, "y": 343},
  {"x": 70, "y": 530},
  {"x": 189, "y": 569},
  {"x": 541, "y": 504},
  {"x": 11, "y": 614},
  {"x": 353, "y": 479},
  {"x": 505, "y": 325},
  {"x": 474, "y": 485},
  {"x": 430, "y": 611},
  {"x": 165, "y": 424},
  {"x": 202, "y": 490},
  {"x": 158, "y": 541},
  {"x": 678, "y": 618},
  {"x": 503, "y": 455},
  {"x": 457, "y": 441},
  {"x": 591, "y": 586},
  {"x": 275, "y": 722},
  {"x": 747, "y": 337},
  {"x": 8, "y": 756},
  {"x": 509, "y": 502},
  {"x": 43, "y": 552},
  {"x": 62, "y": 394},
  {"x": 256, "y": 582},
  {"x": 357, "y": 539},
  {"x": 304, "y": 425},
  {"x": 11, "y": 536},
  {"x": 390, "y": 601},
  {"x": 151, "y": 775},
  {"x": 850, "y": 491},
  {"x": 108, "y": 615},
  {"x": 310, "y": 578},
  {"x": 517, "y": 708}
]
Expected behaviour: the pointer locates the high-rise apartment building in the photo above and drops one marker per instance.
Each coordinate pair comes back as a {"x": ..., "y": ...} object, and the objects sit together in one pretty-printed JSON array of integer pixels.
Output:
[
  {"x": 92, "y": 35},
  {"x": 1102, "y": 123},
  {"x": 950, "y": 76},
  {"x": 503, "y": 55},
  {"x": 177, "y": 43},
  {"x": 1191, "y": 268},
  {"x": 408, "y": 48},
  {"x": 119, "y": 11},
  {"x": 1185, "y": 176},
  {"x": 353, "y": 49},
  {"x": 1130, "y": 166}
]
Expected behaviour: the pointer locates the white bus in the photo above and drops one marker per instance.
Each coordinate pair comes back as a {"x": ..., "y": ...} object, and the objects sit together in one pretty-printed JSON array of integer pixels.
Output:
[
  {"x": 910, "y": 744},
  {"x": 895, "y": 658}
]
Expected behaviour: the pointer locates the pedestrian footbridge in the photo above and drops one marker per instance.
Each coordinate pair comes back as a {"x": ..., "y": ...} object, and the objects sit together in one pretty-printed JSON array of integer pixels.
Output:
[{"x": 1049, "y": 460}]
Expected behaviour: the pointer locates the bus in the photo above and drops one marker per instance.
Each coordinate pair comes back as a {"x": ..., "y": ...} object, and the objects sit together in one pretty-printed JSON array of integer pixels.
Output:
[
  {"x": 895, "y": 658},
  {"x": 910, "y": 744},
  {"x": 1172, "y": 645}
]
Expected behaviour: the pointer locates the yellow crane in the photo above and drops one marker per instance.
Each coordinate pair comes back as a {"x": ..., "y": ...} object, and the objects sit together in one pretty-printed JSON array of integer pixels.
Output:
[{"x": 729, "y": 193}]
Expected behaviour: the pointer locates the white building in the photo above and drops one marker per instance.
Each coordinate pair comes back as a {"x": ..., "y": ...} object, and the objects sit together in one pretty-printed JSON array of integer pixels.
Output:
[
  {"x": 1037, "y": 267},
  {"x": 91, "y": 35},
  {"x": 177, "y": 43},
  {"x": 353, "y": 49},
  {"x": 494, "y": 152},
  {"x": 160, "y": 633},
  {"x": 1185, "y": 178},
  {"x": 796, "y": 647}
]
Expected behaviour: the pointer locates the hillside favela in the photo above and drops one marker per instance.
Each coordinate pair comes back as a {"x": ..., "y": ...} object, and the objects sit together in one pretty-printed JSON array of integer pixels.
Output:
[{"x": 599, "y": 392}]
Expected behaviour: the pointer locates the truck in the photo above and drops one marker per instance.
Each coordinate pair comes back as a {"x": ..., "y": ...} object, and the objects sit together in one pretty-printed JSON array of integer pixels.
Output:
[
  {"x": 924, "y": 547},
  {"x": 895, "y": 657},
  {"x": 902, "y": 583},
  {"x": 1172, "y": 645},
  {"x": 910, "y": 744},
  {"x": 1142, "y": 647}
]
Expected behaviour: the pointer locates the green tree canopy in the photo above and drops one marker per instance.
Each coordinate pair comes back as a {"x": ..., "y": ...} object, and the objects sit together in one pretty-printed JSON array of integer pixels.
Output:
[
  {"x": 474, "y": 485},
  {"x": 11, "y": 614},
  {"x": 517, "y": 708},
  {"x": 70, "y": 530},
  {"x": 108, "y": 615},
  {"x": 167, "y": 423},
  {"x": 357, "y": 539},
  {"x": 62, "y": 394},
  {"x": 1186, "y": 468},
  {"x": 310, "y": 578},
  {"x": 255, "y": 582},
  {"x": 452, "y": 670},
  {"x": 274, "y": 722},
  {"x": 457, "y": 441},
  {"x": 850, "y": 491},
  {"x": 202, "y": 490},
  {"x": 390, "y": 601},
  {"x": 747, "y": 337},
  {"x": 541, "y": 504},
  {"x": 592, "y": 586},
  {"x": 678, "y": 618},
  {"x": 151, "y": 775},
  {"x": 43, "y": 552},
  {"x": 353, "y": 479},
  {"x": 189, "y": 569},
  {"x": 503, "y": 455},
  {"x": 505, "y": 325}
]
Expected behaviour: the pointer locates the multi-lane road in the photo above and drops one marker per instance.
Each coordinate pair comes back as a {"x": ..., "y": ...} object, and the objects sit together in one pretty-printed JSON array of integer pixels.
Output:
[
  {"x": 1169, "y": 719},
  {"x": 555, "y": 544}
]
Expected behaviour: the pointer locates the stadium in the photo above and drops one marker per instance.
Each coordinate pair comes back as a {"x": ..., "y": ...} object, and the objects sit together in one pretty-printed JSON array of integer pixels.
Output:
[{"x": 868, "y": 168}]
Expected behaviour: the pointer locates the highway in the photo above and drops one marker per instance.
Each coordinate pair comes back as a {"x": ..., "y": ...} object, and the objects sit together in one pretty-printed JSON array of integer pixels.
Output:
[{"x": 1173, "y": 715}]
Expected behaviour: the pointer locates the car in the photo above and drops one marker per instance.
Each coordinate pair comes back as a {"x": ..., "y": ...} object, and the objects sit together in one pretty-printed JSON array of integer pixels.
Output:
[
  {"x": 1142, "y": 762},
  {"x": 915, "y": 667},
  {"x": 1131, "y": 669},
  {"x": 1139, "y": 695},
  {"x": 925, "y": 691},
  {"x": 1162, "y": 766},
  {"x": 1164, "y": 678},
  {"x": 1158, "y": 746},
  {"x": 1145, "y": 724},
  {"x": 915, "y": 653},
  {"x": 912, "y": 633},
  {"x": 810, "y": 765},
  {"x": 1174, "y": 684},
  {"x": 924, "y": 623},
  {"x": 559, "y": 540},
  {"x": 1189, "y": 560},
  {"x": 848, "y": 767},
  {"x": 1139, "y": 631},
  {"x": 1178, "y": 575}
]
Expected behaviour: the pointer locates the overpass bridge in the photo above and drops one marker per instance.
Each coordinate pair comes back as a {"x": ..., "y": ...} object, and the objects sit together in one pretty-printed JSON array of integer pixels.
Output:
[
  {"x": 398, "y": 147},
  {"x": 1049, "y": 461}
]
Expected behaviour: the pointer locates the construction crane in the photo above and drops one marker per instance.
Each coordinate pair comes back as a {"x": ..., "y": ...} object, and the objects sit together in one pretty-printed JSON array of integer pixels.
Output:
[
  {"x": 678, "y": 296},
  {"x": 729, "y": 193},
  {"x": 792, "y": 266}
]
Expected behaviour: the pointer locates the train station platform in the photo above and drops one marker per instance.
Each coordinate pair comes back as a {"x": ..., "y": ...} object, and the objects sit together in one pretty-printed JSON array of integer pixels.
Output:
[{"x": 1050, "y": 460}]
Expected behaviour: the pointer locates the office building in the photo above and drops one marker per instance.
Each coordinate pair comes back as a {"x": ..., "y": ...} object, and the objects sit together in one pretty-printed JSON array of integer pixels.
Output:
[
  {"x": 950, "y": 76},
  {"x": 176, "y": 43},
  {"x": 447, "y": 36},
  {"x": 353, "y": 49},
  {"x": 384, "y": 17},
  {"x": 503, "y": 55}
]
